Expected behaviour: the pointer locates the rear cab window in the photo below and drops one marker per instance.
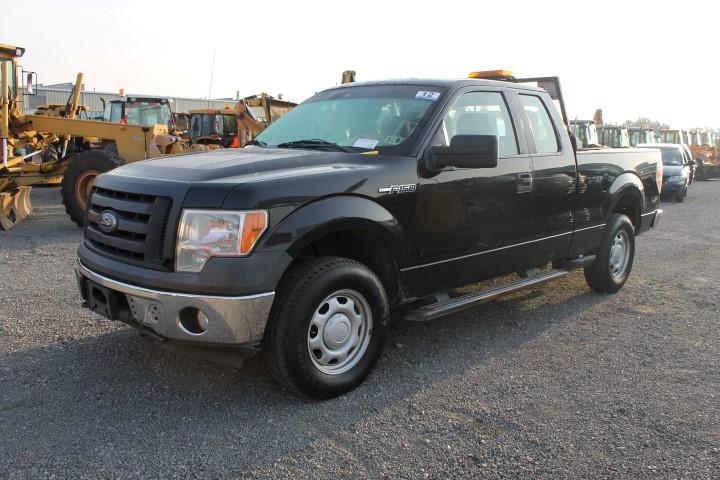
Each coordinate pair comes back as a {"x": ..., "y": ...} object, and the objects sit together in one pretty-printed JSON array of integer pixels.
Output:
[{"x": 541, "y": 125}]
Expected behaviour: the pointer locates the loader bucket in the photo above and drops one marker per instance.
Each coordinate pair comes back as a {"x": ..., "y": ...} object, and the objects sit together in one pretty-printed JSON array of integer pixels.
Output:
[{"x": 15, "y": 206}]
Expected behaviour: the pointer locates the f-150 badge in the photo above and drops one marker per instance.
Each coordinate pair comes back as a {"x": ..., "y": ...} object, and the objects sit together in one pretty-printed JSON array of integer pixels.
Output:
[{"x": 408, "y": 188}]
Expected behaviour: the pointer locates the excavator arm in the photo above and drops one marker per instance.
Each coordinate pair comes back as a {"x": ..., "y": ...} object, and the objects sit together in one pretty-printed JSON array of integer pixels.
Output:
[{"x": 246, "y": 119}]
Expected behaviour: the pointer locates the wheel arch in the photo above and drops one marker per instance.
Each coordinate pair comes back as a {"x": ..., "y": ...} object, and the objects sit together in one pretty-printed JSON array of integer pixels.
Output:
[
  {"x": 347, "y": 226},
  {"x": 626, "y": 195}
]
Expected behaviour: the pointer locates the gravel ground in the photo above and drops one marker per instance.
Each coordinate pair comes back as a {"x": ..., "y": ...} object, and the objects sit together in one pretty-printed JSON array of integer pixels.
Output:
[{"x": 551, "y": 382}]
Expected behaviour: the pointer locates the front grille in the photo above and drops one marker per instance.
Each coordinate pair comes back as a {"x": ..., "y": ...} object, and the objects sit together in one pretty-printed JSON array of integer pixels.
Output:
[{"x": 141, "y": 226}]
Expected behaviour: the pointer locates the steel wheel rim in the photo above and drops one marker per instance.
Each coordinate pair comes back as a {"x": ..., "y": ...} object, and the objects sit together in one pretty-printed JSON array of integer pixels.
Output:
[
  {"x": 83, "y": 185},
  {"x": 339, "y": 332},
  {"x": 619, "y": 254}
]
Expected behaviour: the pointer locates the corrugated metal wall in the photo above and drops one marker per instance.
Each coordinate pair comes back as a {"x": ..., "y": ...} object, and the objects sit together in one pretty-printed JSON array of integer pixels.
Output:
[{"x": 92, "y": 100}]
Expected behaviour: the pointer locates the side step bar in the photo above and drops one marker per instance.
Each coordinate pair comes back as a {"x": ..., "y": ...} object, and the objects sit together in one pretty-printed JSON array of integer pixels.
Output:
[{"x": 452, "y": 305}]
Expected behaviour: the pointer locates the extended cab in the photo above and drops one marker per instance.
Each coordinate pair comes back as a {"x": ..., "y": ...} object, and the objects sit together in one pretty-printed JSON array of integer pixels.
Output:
[{"x": 365, "y": 199}]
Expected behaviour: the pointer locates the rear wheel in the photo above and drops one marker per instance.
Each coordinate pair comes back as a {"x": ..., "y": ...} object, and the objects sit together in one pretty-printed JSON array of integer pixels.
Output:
[
  {"x": 612, "y": 266},
  {"x": 79, "y": 178},
  {"x": 327, "y": 329}
]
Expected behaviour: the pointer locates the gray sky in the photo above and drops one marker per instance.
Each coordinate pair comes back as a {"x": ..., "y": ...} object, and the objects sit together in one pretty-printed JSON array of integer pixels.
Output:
[{"x": 630, "y": 58}]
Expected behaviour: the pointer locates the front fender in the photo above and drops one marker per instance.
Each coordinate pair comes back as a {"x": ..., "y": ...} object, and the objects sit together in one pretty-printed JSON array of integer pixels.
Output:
[{"x": 332, "y": 214}]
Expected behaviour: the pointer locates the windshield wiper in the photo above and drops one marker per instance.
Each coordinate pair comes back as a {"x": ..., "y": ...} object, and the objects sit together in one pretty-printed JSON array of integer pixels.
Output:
[
  {"x": 316, "y": 143},
  {"x": 257, "y": 142}
]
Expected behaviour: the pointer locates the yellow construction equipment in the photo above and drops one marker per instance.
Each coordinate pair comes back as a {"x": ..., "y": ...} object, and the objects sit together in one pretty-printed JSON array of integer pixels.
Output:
[
  {"x": 348, "y": 76},
  {"x": 35, "y": 147},
  {"x": 235, "y": 127}
]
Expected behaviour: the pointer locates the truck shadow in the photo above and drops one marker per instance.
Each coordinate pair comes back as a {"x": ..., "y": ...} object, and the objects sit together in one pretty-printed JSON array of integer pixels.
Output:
[{"x": 114, "y": 396}]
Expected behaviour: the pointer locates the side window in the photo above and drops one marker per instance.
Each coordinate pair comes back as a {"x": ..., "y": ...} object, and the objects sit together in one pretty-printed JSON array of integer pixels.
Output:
[
  {"x": 479, "y": 113},
  {"x": 115, "y": 112},
  {"x": 541, "y": 124}
]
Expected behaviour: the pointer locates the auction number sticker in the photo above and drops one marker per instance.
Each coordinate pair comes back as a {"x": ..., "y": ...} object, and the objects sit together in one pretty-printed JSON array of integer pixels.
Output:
[
  {"x": 425, "y": 95},
  {"x": 368, "y": 143}
]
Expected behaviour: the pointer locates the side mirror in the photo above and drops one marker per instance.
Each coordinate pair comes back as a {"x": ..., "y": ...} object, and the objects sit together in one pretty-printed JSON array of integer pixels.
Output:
[
  {"x": 30, "y": 83},
  {"x": 465, "y": 151}
]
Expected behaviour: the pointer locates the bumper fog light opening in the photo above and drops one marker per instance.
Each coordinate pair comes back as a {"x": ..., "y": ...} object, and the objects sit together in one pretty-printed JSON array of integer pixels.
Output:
[{"x": 193, "y": 321}]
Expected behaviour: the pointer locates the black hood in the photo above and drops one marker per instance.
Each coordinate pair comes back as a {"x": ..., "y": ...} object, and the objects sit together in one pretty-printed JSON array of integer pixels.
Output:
[
  {"x": 235, "y": 166},
  {"x": 255, "y": 177}
]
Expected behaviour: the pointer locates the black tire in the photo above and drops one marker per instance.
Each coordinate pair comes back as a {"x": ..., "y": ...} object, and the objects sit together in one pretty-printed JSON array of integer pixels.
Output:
[
  {"x": 599, "y": 275},
  {"x": 302, "y": 295},
  {"x": 681, "y": 196},
  {"x": 80, "y": 168}
]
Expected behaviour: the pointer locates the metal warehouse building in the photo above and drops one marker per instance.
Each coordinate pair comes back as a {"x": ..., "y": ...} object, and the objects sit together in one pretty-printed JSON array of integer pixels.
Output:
[{"x": 60, "y": 93}]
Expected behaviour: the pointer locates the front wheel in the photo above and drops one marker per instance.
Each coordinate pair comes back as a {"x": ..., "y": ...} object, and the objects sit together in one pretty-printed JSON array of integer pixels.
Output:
[
  {"x": 327, "y": 329},
  {"x": 612, "y": 266},
  {"x": 79, "y": 177}
]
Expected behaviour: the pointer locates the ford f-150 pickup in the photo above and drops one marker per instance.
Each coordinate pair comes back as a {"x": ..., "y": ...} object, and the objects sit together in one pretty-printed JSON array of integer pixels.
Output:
[{"x": 366, "y": 199}]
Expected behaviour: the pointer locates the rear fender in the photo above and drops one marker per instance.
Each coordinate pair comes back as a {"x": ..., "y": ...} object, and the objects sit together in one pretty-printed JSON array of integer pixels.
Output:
[{"x": 626, "y": 185}]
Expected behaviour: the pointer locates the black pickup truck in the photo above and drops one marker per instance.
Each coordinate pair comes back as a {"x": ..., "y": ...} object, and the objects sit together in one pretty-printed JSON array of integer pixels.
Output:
[{"x": 366, "y": 199}]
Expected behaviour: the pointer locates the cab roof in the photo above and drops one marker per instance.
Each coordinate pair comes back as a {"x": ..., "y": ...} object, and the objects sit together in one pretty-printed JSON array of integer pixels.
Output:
[
  {"x": 441, "y": 83},
  {"x": 8, "y": 52}
]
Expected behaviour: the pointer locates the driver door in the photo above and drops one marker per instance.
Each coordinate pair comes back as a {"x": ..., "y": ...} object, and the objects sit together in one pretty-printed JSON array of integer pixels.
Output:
[{"x": 474, "y": 222}]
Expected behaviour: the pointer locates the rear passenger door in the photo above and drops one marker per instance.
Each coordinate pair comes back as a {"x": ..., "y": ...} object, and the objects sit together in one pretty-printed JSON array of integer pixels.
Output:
[
  {"x": 473, "y": 223},
  {"x": 554, "y": 178}
]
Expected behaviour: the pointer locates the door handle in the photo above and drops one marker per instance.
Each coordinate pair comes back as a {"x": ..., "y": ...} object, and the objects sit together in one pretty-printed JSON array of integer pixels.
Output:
[{"x": 524, "y": 182}]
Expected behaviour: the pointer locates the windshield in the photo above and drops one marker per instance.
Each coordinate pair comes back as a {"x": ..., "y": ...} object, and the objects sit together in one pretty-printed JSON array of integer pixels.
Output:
[
  {"x": 382, "y": 117},
  {"x": 204, "y": 124},
  {"x": 580, "y": 134},
  {"x": 670, "y": 136},
  {"x": 614, "y": 137},
  {"x": 229, "y": 125},
  {"x": 672, "y": 157},
  {"x": 636, "y": 137},
  {"x": 147, "y": 114}
]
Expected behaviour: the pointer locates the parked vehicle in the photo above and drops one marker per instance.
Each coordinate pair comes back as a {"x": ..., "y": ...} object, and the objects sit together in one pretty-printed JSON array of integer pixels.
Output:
[
  {"x": 56, "y": 147},
  {"x": 585, "y": 132},
  {"x": 638, "y": 135},
  {"x": 367, "y": 198},
  {"x": 677, "y": 169},
  {"x": 674, "y": 136},
  {"x": 613, "y": 136},
  {"x": 705, "y": 156},
  {"x": 140, "y": 111},
  {"x": 235, "y": 127}
]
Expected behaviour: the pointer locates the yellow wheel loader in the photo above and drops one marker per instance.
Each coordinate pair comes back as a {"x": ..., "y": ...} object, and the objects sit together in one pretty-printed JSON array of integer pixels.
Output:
[
  {"x": 234, "y": 127},
  {"x": 35, "y": 147}
]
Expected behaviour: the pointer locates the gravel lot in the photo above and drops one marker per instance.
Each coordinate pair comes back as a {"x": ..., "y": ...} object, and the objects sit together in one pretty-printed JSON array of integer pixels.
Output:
[{"x": 551, "y": 382}]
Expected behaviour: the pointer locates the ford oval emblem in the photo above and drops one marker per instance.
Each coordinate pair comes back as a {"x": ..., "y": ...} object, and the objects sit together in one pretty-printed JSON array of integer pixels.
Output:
[{"x": 108, "y": 222}]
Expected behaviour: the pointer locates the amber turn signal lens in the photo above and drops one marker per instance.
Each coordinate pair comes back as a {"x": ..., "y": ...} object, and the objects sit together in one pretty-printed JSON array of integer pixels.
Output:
[{"x": 254, "y": 225}]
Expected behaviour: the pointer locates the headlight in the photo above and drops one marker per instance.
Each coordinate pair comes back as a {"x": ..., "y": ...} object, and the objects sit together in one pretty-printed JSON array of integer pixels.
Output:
[
  {"x": 675, "y": 179},
  {"x": 216, "y": 233}
]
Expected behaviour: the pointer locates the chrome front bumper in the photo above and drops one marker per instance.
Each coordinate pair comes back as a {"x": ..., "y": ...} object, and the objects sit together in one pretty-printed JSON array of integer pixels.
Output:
[{"x": 231, "y": 320}]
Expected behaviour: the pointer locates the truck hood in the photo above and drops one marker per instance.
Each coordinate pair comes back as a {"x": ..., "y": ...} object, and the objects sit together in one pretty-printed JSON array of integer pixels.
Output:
[
  {"x": 255, "y": 177},
  {"x": 234, "y": 166}
]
